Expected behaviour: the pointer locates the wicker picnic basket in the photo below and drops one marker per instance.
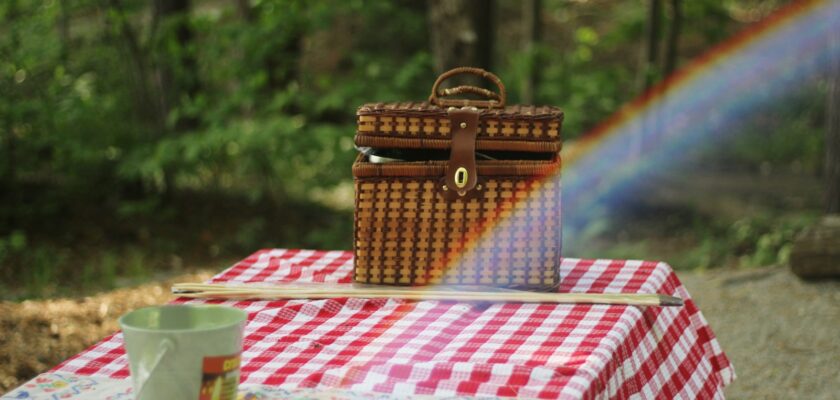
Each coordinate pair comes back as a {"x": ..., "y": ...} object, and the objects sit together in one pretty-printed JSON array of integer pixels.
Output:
[{"x": 457, "y": 191}]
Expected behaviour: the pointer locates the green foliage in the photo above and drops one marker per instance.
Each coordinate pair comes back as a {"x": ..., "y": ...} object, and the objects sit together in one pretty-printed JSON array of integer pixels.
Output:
[
  {"x": 51, "y": 270},
  {"x": 587, "y": 72},
  {"x": 128, "y": 134},
  {"x": 261, "y": 119},
  {"x": 791, "y": 134},
  {"x": 745, "y": 243},
  {"x": 766, "y": 242},
  {"x": 40, "y": 273},
  {"x": 759, "y": 234},
  {"x": 587, "y": 94}
]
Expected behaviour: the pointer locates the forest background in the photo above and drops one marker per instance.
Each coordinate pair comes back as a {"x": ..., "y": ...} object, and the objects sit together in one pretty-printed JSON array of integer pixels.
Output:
[{"x": 140, "y": 138}]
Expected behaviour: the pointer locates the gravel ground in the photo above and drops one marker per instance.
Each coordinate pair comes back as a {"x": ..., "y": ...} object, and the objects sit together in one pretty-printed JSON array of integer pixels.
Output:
[
  {"x": 782, "y": 335},
  {"x": 36, "y": 335}
]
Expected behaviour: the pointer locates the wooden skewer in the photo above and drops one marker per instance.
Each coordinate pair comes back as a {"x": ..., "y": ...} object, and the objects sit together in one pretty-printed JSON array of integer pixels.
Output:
[{"x": 225, "y": 291}]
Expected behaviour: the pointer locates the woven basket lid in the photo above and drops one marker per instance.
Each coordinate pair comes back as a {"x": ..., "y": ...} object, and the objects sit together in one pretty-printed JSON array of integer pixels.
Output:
[{"x": 416, "y": 125}]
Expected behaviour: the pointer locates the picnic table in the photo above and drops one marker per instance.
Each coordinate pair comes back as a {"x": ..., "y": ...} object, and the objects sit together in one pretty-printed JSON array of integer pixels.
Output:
[{"x": 388, "y": 348}]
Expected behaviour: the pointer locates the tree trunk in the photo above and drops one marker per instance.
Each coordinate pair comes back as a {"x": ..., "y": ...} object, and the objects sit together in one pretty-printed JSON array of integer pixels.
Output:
[
  {"x": 282, "y": 62},
  {"x": 832, "y": 134},
  {"x": 64, "y": 29},
  {"x": 484, "y": 21},
  {"x": 179, "y": 76},
  {"x": 461, "y": 33},
  {"x": 148, "y": 102},
  {"x": 10, "y": 195},
  {"x": 651, "y": 50},
  {"x": 281, "y": 65},
  {"x": 8, "y": 174},
  {"x": 673, "y": 40},
  {"x": 646, "y": 78},
  {"x": 245, "y": 10},
  {"x": 815, "y": 254},
  {"x": 532, "y": 29}
]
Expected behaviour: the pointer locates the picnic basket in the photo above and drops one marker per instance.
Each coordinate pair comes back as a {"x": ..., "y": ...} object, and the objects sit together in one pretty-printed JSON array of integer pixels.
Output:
[{"x": 456, "y": 191}]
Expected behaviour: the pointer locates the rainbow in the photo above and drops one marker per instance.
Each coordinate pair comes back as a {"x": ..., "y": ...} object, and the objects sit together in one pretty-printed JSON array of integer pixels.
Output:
[{"x": 702, "y": 102}]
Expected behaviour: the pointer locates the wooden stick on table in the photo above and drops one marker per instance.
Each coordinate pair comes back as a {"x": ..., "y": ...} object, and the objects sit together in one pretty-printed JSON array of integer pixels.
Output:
[{"x": 244, "y": 291}]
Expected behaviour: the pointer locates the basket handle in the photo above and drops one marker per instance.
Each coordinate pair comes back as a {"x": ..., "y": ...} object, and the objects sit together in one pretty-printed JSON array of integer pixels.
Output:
[{"x": 494, "y": 100}]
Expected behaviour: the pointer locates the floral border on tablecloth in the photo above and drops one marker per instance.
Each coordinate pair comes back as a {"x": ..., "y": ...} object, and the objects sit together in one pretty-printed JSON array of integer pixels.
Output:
[{"x": 76, "y": 387}]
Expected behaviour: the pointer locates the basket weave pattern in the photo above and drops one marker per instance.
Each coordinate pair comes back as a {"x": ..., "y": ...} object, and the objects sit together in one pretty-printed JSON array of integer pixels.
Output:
[
  {"x": 467, "y": 221},
  {"x": 507, "y": 237},
  {"x": 424, "y": 120}
]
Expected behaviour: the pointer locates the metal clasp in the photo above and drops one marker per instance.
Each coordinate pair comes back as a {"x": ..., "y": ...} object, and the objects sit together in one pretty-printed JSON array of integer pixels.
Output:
[{"x": 461, "y": 177}]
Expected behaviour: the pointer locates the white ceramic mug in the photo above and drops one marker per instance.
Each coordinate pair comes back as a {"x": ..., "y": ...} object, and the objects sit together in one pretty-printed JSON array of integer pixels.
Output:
[{"x": 184, "y": 351}]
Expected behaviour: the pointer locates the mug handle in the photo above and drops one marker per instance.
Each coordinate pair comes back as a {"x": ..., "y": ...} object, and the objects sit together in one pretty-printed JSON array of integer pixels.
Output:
[{"x": 166, "y": 346}]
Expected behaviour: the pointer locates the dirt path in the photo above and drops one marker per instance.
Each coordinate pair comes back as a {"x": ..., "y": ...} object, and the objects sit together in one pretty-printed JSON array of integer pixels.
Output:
[
  {"x": 782, "y": 335},
  {"x": 37, "y": 335}
]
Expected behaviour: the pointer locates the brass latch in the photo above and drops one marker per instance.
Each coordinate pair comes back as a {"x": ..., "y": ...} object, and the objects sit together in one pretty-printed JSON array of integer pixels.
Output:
[{"x": 461, "y": 176}]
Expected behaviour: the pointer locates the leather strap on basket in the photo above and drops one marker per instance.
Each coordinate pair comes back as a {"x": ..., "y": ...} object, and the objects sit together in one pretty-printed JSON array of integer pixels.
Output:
[
  {"x": 494, "y": 100},
  {"x": 461, "y": 173}
]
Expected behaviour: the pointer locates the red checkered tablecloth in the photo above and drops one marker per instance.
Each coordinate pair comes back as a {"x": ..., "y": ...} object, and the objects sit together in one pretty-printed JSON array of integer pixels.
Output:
[{"x": 453, "y": 348}]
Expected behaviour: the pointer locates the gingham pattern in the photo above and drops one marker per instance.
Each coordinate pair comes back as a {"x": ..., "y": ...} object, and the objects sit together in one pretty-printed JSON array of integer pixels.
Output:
[{"x": 452, "y": 348}]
